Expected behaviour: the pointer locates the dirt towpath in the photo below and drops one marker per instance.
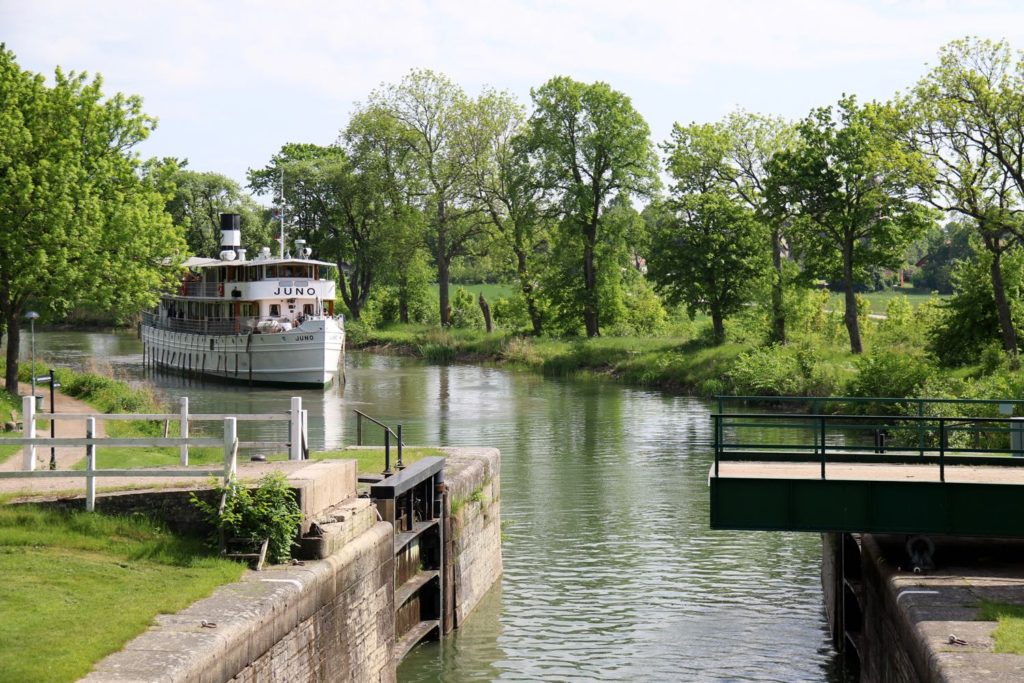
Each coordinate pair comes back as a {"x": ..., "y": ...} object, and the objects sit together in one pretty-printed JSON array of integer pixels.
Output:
[
  {"x": 74, "y": 484},
  {"x": 67, "y": 456}
]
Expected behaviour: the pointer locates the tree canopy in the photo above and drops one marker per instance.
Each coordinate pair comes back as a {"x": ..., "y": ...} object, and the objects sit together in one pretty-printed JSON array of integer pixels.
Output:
[
  {"x": 712, "y": 252},
  {"x": 850, "y": 188},
  {"x": 967, "y": 122},
  {"x": 79, "y": 222},
  {"x": 592, "y": 146}
]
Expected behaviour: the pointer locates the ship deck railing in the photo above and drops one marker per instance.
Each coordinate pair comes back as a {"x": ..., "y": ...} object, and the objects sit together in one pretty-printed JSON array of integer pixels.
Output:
[{"x": 220, "y": 326}]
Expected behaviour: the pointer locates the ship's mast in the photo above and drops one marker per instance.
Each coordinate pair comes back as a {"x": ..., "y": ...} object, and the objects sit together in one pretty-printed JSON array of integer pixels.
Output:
[{"x": 282, "y": 213}]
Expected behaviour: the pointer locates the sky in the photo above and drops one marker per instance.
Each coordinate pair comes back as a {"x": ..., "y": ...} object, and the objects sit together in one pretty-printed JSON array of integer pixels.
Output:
[{"x": 232, "y": 81}]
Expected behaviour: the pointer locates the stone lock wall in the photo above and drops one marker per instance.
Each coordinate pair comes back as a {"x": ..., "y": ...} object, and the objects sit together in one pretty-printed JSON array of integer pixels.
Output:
[
  {"x": 325, "y": 620},
  {"x": 474, "y": 485},
  {"x": 329, "y": 620}
]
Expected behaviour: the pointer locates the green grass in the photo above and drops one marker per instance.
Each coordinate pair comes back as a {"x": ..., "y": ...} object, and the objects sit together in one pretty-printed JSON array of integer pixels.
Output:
[
  {"x": 78, "y": 586},
  {"x": 879, "y": 300},
  {"x": 8, "y": 403},
  {"x": 491, "y": 292},
  {"x": 371, "y": 460},
  {"x": 1009, "y": 633},
  {"x": 130, "y": 457},
  {"x": 675, "y": 363}
]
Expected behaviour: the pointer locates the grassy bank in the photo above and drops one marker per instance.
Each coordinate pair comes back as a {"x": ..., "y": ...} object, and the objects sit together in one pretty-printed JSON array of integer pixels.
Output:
[
  {"x": 817, "y": 363},
  {"x": 9, "y": 406},
  {"x": 78, "y": 586},
  {"x": 666, "y": 362},
  {"x": 672, "y": 363}
]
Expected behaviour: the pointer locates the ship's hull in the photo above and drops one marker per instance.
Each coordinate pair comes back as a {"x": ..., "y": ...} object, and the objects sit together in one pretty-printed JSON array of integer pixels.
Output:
[{"x": 311, "y": 354}]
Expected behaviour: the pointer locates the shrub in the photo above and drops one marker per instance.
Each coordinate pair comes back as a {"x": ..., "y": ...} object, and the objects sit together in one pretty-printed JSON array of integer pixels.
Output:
[
  {"x": 268, "y": 511},
  {"x": 466, "y": 311},
  {"x": 511, "y": 313},
  {"x": 890, "y": 374},
  {"x": 771, "y": 371}
]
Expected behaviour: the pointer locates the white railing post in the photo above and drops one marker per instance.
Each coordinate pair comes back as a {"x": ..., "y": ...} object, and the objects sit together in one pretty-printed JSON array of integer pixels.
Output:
[
  {"x": 305, "y": 434},
  {"x": 28, "y": 428},
  {"x": 90, "y": 466},
  {"x": 184, "y": 430},
  {"x": 230, "y": 448},
  {"x": 295, "y": 429}
]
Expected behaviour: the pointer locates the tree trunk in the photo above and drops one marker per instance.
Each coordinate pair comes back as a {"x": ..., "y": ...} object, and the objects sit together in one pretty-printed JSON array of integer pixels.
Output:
[
  {"x": 1002, "y": 305},
  {"x": 403, "y": 308},
  {"x": 13, "y": 350},
  {"x": 590, "y": 307},
  {"x": 442, "y": 287},
  {"x": 850, "y": 298},
  {"x": 717, "y": 324},
  {"x": 443, "y": 264},
  {"x": 486, "y": 309},
  {"x": 527, "y": 288},
  {"x": 349, "y": 295},
  {"x": 778, "y": 314}
]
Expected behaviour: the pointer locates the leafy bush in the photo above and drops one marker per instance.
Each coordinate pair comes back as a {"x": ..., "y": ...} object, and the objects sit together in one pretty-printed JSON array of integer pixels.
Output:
[
  {"x": 795, "y": 370},
  {"x": 969, "y": 319},
  {"x": 644, "y": 314},
  {"x": 890, "y": 374},
  {"x": 511, "y": 313},
  {"x": 771, "y": 371},
  {"x": 466, "y": 311},
  {"x": 268, "y": 511},
  {"x": 384, "y": 305}
]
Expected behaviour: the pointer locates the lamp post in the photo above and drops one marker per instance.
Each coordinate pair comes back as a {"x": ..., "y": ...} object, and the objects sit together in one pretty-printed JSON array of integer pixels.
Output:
[{"x": 32, "y": 315}]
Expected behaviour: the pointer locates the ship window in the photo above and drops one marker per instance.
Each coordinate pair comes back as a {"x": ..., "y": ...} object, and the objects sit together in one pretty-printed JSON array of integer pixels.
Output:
[
  {"x": 307, "y": 309},
  {"x": 275, "y": 310}
]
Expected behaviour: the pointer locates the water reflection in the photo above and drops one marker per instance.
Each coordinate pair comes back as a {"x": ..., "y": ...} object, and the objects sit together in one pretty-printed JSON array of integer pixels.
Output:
[{"x": 611, "y": 572}]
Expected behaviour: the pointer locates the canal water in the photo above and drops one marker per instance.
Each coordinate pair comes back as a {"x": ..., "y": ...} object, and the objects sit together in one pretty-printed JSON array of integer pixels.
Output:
[{"x": 611, "y": 572}]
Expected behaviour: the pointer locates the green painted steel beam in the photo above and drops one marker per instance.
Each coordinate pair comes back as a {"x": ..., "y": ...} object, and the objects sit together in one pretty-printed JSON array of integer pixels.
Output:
[{"x": 819, "y": 505}]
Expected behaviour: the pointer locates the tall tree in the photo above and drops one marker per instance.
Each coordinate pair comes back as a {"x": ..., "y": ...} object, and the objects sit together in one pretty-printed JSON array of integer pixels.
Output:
[
  {"x": 711, "y": 253},
  {"x": 508, "y": 186},
  {"x": 968, "y": 122},
  {"x": 437, "y": 117},
  {"x": 79, "y": 224},
  {"x": 592, "y": 146},
  {"x": 850, "y": 189},
  {"x": 198, "y": 200},
  {"x": 343, "y": 205},
  {"x": 754, "y": 140}
]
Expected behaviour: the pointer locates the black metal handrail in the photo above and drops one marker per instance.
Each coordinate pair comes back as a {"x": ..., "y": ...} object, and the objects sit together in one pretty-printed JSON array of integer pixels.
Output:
[
  {"x": 388, "y": 433},
  {"x": 817, "y": 401},
  {"x": 882, "y": 429}
]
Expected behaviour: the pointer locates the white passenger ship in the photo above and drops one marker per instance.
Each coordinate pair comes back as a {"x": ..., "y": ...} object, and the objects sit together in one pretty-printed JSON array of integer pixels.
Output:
[{"x": 266, "y": 320}]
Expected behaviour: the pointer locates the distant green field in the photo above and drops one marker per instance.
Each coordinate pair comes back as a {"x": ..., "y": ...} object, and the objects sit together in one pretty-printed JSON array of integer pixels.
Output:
[
  {"x": 490, "y": 292},
  {"x": 879, "y": 300}
]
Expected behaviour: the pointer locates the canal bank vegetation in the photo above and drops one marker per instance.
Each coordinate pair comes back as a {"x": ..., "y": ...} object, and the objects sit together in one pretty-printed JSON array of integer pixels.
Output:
[
  {"x": 78, "y": 586},
  {"x": 899, "y": 358}
]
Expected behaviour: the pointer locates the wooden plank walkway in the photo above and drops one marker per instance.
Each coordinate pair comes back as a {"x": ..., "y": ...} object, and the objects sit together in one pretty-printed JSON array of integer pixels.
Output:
[{"x": 868, "y": 472}]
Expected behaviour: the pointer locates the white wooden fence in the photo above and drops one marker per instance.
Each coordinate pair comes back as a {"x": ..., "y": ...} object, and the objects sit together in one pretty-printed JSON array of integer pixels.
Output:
[{"x": 297, "y": 443}]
